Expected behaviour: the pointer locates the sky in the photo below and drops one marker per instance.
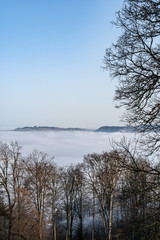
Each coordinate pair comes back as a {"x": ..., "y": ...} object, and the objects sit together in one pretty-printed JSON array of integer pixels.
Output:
[{"x": 51, "y": 63}]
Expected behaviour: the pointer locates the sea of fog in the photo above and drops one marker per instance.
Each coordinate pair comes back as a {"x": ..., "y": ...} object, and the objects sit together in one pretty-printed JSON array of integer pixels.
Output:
[{"x": 66, "y": 147}]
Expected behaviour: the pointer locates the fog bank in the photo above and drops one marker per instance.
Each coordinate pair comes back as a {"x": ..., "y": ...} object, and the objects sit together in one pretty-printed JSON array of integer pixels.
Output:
[{"x": 66, "y": 147}]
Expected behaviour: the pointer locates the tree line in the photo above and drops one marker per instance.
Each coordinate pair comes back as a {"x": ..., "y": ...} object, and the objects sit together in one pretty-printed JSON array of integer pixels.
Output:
[{"x": 112, "y": 195}]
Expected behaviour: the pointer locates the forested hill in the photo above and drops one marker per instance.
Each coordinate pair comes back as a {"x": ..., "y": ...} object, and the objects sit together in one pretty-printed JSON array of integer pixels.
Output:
[
  {"x": 108, "y": 129},
  {"x": 115, "y": 129},
  {"x": 45, "y": 128}
]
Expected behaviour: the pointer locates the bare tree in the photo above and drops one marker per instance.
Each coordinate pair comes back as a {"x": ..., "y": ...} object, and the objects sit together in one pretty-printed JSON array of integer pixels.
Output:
[
  {"x": 54, "y": 195},
  {"x": 37, "y": 181},
  {"x": 72, "y": 181},
  {"x": 69, "y": 192},
  {"x": 139, "y": 193},
  {"x": 91, "y": 180},
  {"x": 135, "y": 61},
  {"x": 25, "y": 223},
  {"x": 79, "y": 199},
  {"x": 10, "y": 174},
  {"x": 103, "y": 173}
]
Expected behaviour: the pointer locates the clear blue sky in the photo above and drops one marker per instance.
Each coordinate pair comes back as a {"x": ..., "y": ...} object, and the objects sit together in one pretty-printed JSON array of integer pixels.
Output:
[{"x": 51, "y": 58}]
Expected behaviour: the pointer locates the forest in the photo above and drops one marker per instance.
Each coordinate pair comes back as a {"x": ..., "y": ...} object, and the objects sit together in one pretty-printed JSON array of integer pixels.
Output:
[{"x": 112, "y": 195}]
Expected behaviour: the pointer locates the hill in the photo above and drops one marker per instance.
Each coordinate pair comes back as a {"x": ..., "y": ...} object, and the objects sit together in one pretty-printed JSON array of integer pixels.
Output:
[
  {"x": 111, "y": 129},
  {"x": 46, "y": 128},
  {"x": 108, "y": 129}
]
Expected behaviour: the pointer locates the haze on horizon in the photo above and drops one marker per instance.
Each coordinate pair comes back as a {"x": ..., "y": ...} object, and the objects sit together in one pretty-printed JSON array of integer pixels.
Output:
[{"x": 51, "y": 63}]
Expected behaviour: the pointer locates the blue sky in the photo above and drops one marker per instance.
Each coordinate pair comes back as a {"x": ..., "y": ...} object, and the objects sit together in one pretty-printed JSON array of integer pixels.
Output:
[{"x": 51, "y": 58}]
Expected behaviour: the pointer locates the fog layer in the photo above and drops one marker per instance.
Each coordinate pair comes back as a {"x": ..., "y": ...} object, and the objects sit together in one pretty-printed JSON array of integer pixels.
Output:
[{"x": 66, "y": 147}]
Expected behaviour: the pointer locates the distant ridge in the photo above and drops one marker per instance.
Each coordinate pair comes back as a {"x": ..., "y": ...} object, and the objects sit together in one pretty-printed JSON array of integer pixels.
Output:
[
  {"x": 45, "y": 128},
  {"x": 108, "y": 129}
]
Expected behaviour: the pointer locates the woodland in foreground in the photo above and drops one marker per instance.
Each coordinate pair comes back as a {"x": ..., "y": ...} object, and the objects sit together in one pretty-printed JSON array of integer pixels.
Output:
[{"x": 113, "y": 195}]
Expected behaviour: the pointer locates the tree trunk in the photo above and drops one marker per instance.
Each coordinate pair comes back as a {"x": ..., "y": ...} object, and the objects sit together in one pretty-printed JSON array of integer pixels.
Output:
[
  {"x": 54, "y": 225},
  {"x": 10, "y": 214},
  {"x": 68, "y": 217},
  {"x": 93, "y": 215},
  {"x": 55, "y": 232},
  {"x": 10, "y": 226},
  {"x": 105, "y": 226},
  {"x": 104, "y": 218},
  {"x": 81, "y": 220},
  {"x": 111, "y": 215},
  {"x": 54, "y": 220},
  {"x": 71, "y": 225},
  {"x": 40, "y": 226}
]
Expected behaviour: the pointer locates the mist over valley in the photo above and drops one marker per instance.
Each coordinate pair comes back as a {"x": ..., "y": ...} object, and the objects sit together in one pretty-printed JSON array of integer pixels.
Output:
[{"x": 67, "y": 147}]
